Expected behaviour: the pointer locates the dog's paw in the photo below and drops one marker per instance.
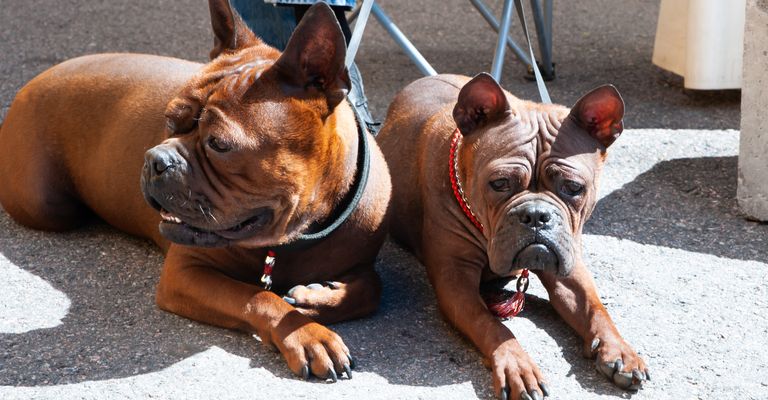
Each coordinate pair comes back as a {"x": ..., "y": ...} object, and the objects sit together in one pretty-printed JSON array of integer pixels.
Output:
[
  {"x": 515, "y": 375},
  {"x": 616, "y": 359},
  {"x": 311, "y": 348},
  {"x": 315, "y": 295}
]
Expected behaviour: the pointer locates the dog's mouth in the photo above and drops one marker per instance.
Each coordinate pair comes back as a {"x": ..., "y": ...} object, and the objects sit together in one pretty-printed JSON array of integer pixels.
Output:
[
  {"x": 174, "y": 228},
  {"x": 262, "y": 216},
  {"x": 538, "y": 256}
]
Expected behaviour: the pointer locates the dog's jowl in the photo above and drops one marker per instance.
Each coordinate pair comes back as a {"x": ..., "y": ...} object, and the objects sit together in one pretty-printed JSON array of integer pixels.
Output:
[
  {"x": 250, "y": 171},
  {"x": 486, "y": 187}
]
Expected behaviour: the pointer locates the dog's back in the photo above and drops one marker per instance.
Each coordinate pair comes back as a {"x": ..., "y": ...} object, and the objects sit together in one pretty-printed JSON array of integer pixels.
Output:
[
  {"x": 411, "y": 134},
  {"x": 79, "y": 108}
]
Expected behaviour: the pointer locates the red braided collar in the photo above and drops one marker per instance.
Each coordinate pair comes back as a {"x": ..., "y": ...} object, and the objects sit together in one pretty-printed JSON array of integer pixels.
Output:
[
  {"x": 504, "y": 307},
  {"x": 458, "y": 192}
]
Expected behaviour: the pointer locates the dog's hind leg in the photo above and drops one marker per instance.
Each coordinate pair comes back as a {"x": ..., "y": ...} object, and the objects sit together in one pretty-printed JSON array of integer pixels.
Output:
[
  {"x": 35, "y": 190},
  {"x": 354, "y": 295}
]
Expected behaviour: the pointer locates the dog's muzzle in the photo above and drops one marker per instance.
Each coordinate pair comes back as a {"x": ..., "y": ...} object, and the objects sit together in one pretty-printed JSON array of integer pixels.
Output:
[{"x": 544, "y": 241}]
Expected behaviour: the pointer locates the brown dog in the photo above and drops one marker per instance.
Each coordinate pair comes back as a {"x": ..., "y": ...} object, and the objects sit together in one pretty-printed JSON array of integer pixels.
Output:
[
  {"x": 529, "y": 175},
  {"x": 257, "y": 151}
]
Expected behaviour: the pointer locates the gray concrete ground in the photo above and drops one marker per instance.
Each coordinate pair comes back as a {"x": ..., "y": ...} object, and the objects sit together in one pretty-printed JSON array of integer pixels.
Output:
[{"x": 683, "y": 274}]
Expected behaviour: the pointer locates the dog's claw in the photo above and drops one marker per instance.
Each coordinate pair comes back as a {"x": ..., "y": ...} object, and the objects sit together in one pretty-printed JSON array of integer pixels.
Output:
[
  {"x": 623, "y": 379},
  {"x": 638, "y": 375},
  {"x": 305, "y": 372},
  {"x": 289, "y": 300},
  {"x": 504, "y": 393},
  {"x": 348, "y": 370},
  {"x": 647, "y": 375},
  {"x": 619, "y": 365},
  {"x": 332, "y": 375},
  {"x": 595, "y": 344},
  {"x": 525, "y": 396},
  {"x": 314, "y": 286},
  {"x": 606, "y": 369},
  {"x": 535, "y": 395},
  {"x": 544, "y": 389},
  {"x": 332, "y": 284},
  {"x": 352, "y": 362}
]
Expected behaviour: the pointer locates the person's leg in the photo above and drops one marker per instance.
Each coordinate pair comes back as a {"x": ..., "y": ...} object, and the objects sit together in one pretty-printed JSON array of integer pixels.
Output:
[
  {"x": 273, "y": 25},
  {"x": 339, "y": 11}
]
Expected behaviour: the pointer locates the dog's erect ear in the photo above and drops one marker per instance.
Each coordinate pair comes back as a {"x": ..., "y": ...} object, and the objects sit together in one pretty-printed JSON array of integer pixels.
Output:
[
  {"x": 600, "y": 113},
  {"x": 313, "y": 60},
  {"x": 481, "y": 100},
  {"x": 229, "y": 31}
]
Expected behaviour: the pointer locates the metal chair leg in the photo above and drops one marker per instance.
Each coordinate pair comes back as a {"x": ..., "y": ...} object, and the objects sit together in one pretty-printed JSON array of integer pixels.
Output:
[
  {"x": 501, "y": 42},
  {"x": 494, "y": 23},
  {"x": 402, "y": 41}
]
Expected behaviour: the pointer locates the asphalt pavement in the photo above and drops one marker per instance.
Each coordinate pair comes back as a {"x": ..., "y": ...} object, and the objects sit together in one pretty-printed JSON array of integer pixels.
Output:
[{"x": 681, "y": 271}]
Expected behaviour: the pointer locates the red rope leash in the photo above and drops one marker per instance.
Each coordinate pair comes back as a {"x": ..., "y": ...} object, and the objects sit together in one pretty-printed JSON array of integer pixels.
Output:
[
  {"x": 509, "y": 307},
  {"x": 504, "y": 308}
]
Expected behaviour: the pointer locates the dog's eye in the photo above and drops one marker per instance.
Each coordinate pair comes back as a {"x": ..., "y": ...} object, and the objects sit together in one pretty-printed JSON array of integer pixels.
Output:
[
  {"x": 500, "y": 185},
  {"x": 571, "y": 188},
  {"x": 218, "y": 146}
]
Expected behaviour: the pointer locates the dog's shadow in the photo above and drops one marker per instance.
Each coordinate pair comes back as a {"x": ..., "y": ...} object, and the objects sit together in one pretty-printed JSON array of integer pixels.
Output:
[{"x": 114, "y": 330}]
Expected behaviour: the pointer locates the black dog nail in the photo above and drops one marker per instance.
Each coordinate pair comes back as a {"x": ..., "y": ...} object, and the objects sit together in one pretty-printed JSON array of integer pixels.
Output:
[
  {"x": 504, "y": 395},
  {"x": 544, "y": 389},
  {"x": 619, "y": 365},
  {"x": 595, "y": 343}
]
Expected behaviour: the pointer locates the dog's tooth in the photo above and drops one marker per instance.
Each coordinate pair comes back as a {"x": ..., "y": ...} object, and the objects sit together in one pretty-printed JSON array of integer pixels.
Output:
[{"x": 168, "y": 217}]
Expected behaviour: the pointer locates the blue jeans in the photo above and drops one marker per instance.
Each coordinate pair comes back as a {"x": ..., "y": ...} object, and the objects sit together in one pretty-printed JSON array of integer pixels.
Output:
[
  {"x": 346, "y": 3},
  {"x": 275, "y": 24}
]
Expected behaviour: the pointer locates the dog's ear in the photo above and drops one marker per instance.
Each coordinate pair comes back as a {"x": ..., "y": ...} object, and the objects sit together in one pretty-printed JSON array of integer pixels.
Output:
[
  {"x": 600, "y": 113},
  {"x": 313, "y": 60},
  {"x": 229, "y": 31},
  {"x": 481, "y": 101}
]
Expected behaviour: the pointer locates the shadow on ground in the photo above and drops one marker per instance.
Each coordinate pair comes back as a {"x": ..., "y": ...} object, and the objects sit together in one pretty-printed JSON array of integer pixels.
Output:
[
  {"x": 688, "y": 204},
  {"x": 114, "y": 330}
]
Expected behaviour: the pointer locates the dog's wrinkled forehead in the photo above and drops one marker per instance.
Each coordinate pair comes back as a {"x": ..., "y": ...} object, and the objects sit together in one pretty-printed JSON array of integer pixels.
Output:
[
  {"x": 218, "y": 82},
  {"x": 523, "y": 133},
  {"x": 238, "y": 80}
]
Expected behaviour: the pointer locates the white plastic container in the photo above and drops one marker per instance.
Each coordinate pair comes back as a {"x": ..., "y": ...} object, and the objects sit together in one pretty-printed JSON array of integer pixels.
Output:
[{"x": 702, "y": 40}]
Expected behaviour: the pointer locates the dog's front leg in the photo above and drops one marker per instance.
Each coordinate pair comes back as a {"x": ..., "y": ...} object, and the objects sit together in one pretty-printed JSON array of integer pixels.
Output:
[
  {"x": 457, "y": 285},
  {"x": 576, "y": 300},
  {"x": 192, "y": 289},
  {"x": 355, "y": 294}
]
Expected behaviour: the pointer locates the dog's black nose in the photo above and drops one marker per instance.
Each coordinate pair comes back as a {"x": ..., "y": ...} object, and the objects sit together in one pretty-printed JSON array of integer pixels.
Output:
[
  {"x": 160, "y": 160},
  {"x": 534, "y": 215}
]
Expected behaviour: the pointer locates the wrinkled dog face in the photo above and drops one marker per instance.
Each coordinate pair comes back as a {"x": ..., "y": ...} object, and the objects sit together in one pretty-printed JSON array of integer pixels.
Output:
[
  {"x": 245, "y": 136},
  {"x": 534, "y": 172}
]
